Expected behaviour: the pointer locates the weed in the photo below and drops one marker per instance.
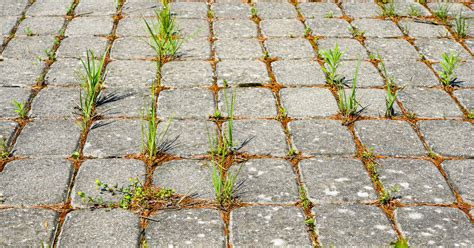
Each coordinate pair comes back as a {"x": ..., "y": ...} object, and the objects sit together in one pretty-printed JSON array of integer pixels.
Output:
[
  {"x": 329, "y": 14},
  {"x": 432, "y": 154},
  {"x": 348, "y": 105},
  {"x": 411, "y": 115},
  {"x": 308, "y": 32},
  {"x": 21, "y": 109},
  {"x": 282, "y": 113},
  {"x": 391, "y": 93},
  {"x": 422, "y": 1},
  {"x": 69, "y": 10},
  {"x": 225, "y": 187},
  {"x": 373, "y": 57},
  {"x": 28, "y": 31},
  {"x": 304, "y": 199},
  {"x": 310, "y": 222},
  {"x": 471, "y": 114},
  {"x": 5, "y": 151},
  {"x": 332, "y": 60},
  {"x": 449, "y": 63},
  {"x": 389, "y": 9},
  {"x": 76, "y": 155},
  {"x": 406, "y": 29},
  {"x": 442, "y": 12},
  {"x": 414, "y": 11},
  {"x": 211, "y": 14},
  {"x": 292, "y": 152},
  {"x": 401, "y": 243},
  {"x": 460, "y": 26},
  {"x": 387, "y": 195},
  {"x": 356, "y": 33},
  {"x": 266, "y": 56},
  {"x": 254, "y": 12},
  {"x": 217, "y": 114},
  {"x": 368, "y": 154},
  {"x": 50, "y": 55}
]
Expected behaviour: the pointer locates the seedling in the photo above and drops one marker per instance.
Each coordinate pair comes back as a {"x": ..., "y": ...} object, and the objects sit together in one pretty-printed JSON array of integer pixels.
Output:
[
  {"x": 292, "y": 152},
  {"x": 304, "y": 199},
  {"x": 308, "y": 32},
  {"x": 449, "y": 63},
  {"x": 387, "y": 195},
  {"x": 460, "y": 26},
  {"x": 76, "y": 155},
  {"x": 348, "y": 105},
  {"x": 283, "y": 113},
  {"x": 368, "y": 154},
  {"x": 406, "y": 29},
  {"x": 332, "y": 60},
  {"x": 4, "y": 149},
  {"x": 401, "y": 243},
  {"x": 329, "y": 14},
  {"x": 391, "y": 93},
  {"x": 471, "y": 114},
  {"x": 389, "y": 9},
  {"x": 254, "y": 12},
  {"x": 210, "y": 14},
  {"x": 225, "y": 187},
  {"x": 21, "y": 109},
  {"x": 432, "y": 154},
  {"x": 356, "y": 33},
  {"x": 442, "y": 12},
  {"x": 310, "y": 222},
  {"x": 217, "y": 114},
  {"x": 50, "y": 54},
  {"x": 266, "y": 56},
  {"x": 28, "y": 31},
  {"x": 414, "y": 11}
]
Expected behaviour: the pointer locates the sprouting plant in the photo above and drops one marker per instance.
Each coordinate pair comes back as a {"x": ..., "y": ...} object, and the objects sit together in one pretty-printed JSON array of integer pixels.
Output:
[
  {"x": 348, "y": 105},
  {"x": 387, "y": 195},
  {"x": 217, "y": 114},
  {"x": 460, "y": 26},
  {"x": 442, "y": 12},
  {"x": 50, "y": 54},
  {"x": 422, "y": 1},
  {"x": 368, "y": 154},
  {"x": 4, "y": 149},
  {"x": 449, "y": 63},
  {"x": 282, "y": 112},
  {"x": 414, "y": 10},
  {"x": 391, "y": 93},
  {"x": 21, "y": 109},
  {"x": 389, "y": 9},
  {"x": 401, "y": 243},
  {"x": 28, "y": 31},
  {"x": 471, "y": 114},
  {"x": 332, "y": 60},
  {"x": 329, "y": 14},
  {"x": 406, "y": 29},
  {"x": 356, "y": 32},
  {"x": 76, "y": 155},
  {"x": 310, "y": 222},
  {"x": 308, "y": 32},
  {"x": 254, "y": 12},
  {"x": 210, "y": 14},
  {"x": 69, "y": 10},
  {"x": 303, "y": 198},
  {"x": 225, "y": 186},
  {"x": 266, "y": 55},
  {"x": 292, "y": 152},
  {"x": 93, "y": 76}
]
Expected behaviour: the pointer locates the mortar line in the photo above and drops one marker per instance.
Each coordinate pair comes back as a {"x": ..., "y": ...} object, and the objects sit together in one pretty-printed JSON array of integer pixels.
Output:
[{"x": 14, "y": 29}]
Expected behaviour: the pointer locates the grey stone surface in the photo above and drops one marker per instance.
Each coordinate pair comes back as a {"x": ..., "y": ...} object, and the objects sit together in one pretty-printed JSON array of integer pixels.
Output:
[
  {"x": 186, "y": 177},
  {"x": 188, "y": 28},
  {"x": 466, "y": 97},
  {"x": 303, "y": 73},
  {"x": 130, "y": 74},
  {"x": 49, "y": 7},
  {"x": 358, "y": 225},
  {"x": 88, "y": 26},
  {"x": 102, "y": 227},
  {"x": 249, "y": 102},
  {"x": 248, "y": 49},
  {"x": 267, "y": 181},
  {"x": 110, "y": 171},
  {"x": 358, "y": 9},
  {"x": 282, "y": 28},
  {"x": 268, "y": 226},
  {"x": 180, "y": 103},
  {"x": 124, "y": 102},
  {"x": 27, "y": 227},
  {"x": 41, "y": 25},
  {"x": 419, "y": 180},
  {"x": 132, "y": 48},
  {"x": 12, "y": 7},
  {"x": 403, "y": 8},
  {"x": 315, "y": 137},
  {"x": 435, "y": 226},
  {"x": 6, "y": 130},
  {"x": 35, "y": 182},
  {"x": 189, "y": 10},
  {"x": 295, "y": 48},
  {"x": 378, "y": 28},
  {"x": 336, "y": 180},
  {"x": 389, "y": 137},
  {"x": 230, "y": 28},
  {"x": 374, "y": 102},
  {"x": 134, "y": 26},
  {"x": 429, "y": 103},
  {"x": 267, "y": 10},
  {"x": 319, "y": 10},
  {"x": 308, "y": 102},
  {"x": 114, "y": 138},
  {"x": 410, "y": 73},
  {"x": 242, "y": 72},
  {"x": 48, "y": 137},
  {"x": 190, "y": 227},
  {"x": 423, "y": 30},
  {"x": 139, "y": 8},
  {"x": 267, "y": 137},
  {"x": 195, "y": 49},
  {"x": 352, "y": 48},
  {"x": 8, "y": 96},
  {"x": 45, "y": 103},
  {"x": 329, "y": 27},
  {"x": 450, "y": 137},
  {"x": 391, "y": 49},
  {"x": 192, "y": 28},
  {"x": 460, "y": 173},
  {"x": 231, "y": 10},
  {"x": 15, "y": 72},
  {"x": 433, "y": 49},
  {"x": 368, "y": 75},
  {"x": 7, "y": 23},
  {"x": 29, "y": 48},
  {"x": 192, "y": 136},
  {"x": 96, "y": 8},
  {"x": 453, "y": 8},
  {"x": 76, "y": 47},
  {"x": 65, "y": 72},
  {"x": 187, "y": 74}
]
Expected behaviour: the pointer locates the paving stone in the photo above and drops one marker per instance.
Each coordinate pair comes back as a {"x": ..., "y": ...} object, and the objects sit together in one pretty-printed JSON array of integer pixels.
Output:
[
  {"x": 130, "y": 74},
  {"x": 352, "y": 48},
  {"x": 45, "y": 104},
  {"x": 7, "y": 23},
  {"x": 469, "y": 27},
  {"x": 48, "y": 137},
  {"x": 460, "y": 173},
  {"x": 192, "y": 103},
  {"x": 12, "y": 7},
  {"x": 433, "y": 49},
  {"x": 268, "y": 226},
  {"x": 190, "y": 227},
  {"x": 19, "y": 72},
  {"x": 231, "y": 10},
  {"x": 358, "y": 225},
  {"x": 121, "y": 102},
  {"x": 389, "y": 137},
  {"x": 450, "y": 137},
  {"x": 242, "y": 72},
  {"x": 303, "y": 73},
  {"x": 330, "y": 27},
  {"x": 96, "y": 8},
  {"x": 423, "y": 30},
  {"x": 140, "y": 8},
  {"x": 110, "y": 171},
  {"x": 316, "y": 137},
  {"x": 27, "y": 227},
  {"x": 391, "y": 49},
  {"x": 114, "y": 138},
  {"x": 308, "y": 102},
  {"x": 28, "y": 48},
  {"x": 435, "y": 226},
  {"x": 368, "y": 75},
  {"x": 289, "y": 48},
  {"x": 267, "y": 10},
  {"x": 429, "y": 103},
  {"x": 319, "y": 10},
  {"x": 49, "y": 7},
  {"x": 41, "y": 25},
  {"x": 228, "y": 29},
  {"x": 87, "y": 26},
  {"x": 8, "y": 95},
  {"x": 6, "y": 130},
  {"x": 132, "y": 48},
  {"x": 187, "y": 74},
  {"x": 403, "y": 8},
  {"x": 374, "y": 102},
  {"x": 64, "y": 72},
  {"x": 191, "y": 28},
  {"x": 21, "y": 179},
  {"x": 193, "y": 136},
  {"x": 336, "y": 180},
  {"x": 377, "y": 28},
  {"x": 76, "y": 47},
  {"x": 195, "y": 49},
  {"x": 134, "y": 26},
  {"x": 267, "y": 181},
  {"x": 249, "y": 102},
  {"x": 282, "y": 28},
  {"x": 189, "y": 10},
  {"x": 453, "y": 8},
  {"x": 267, "y": 137},
  {"x": 419, "y": 180},
  {"x": 466, "y": 97},
  {"x": 238, "y": 49},
  {"x": 410, "y": 73},
  {"x": 358, "y": 9},
  {"x": 102, "y": 227},
  {"x": 186, "y": 177}
]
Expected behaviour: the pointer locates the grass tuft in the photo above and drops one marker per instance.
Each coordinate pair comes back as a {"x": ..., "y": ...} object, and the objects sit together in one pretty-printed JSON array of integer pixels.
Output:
[
  {"x": 332, "y": 60},
  {"x": 348, "y": 104},
  {"x": 389, "y": 9},
  {"x": 5, "y": 151},
  {"x": 442, "y": 12},
  {"x": 460, "y": 26},
  {"x": 449, "y": 63},
  {"x": 20, "y": 109},
  {"x": 414, "y": 11}
]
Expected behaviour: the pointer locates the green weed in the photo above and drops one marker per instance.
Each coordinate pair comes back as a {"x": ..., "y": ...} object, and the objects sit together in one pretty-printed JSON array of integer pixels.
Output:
[
  {"x": 391, "y": 93},
  {"x": 471, "y": 114},
  {"x": 5, "y": 151},
  {"x": 225, "y": 187},
  {"x": 460, "y": 26},
  {"x": 211, "y": 14},
  {"x": 254, "y": 12},
  {"x": 332, "y": 60},
  {"x": 308, "y": 32},
  {"x": 389, "y": 9},
  {"x": 28, "y": 31},
  {"x": 329, "y": 14},
  {"x": 76, "y": 155},
  {"x": 442, "y": 12},
  {"x": 414, "y": 11},
  {"x": 356, "y": 32},
  {"x": 401, "y": 243},
  {"x": 387, "y": 195},
  {"x": 449, "y": 63},
  {"x": 20, "y": 109},
  {"x": 311, "y": 222},
  {"x": 304, "y": 199},
  {"x": 348, "y": 104}
]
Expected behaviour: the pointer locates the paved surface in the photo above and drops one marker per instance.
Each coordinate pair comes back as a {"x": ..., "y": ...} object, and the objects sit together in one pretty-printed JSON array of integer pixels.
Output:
[{"x": 427, "y": 149}]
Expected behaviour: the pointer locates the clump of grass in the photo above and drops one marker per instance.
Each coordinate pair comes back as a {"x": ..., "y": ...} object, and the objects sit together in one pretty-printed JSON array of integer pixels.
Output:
[
  {"x": 387, "y": 196},
  {"x": 332, "y": 60},
  {"x": 356, "y": 32},
  {"x": 442, "y": 12},
  {"x": 392, "y": 95},
  {"x": 348, "y": 104},
  {"x": 225, "y": 185},
  {"x": 389, "y": 9},
  {"x": 329, "y": 14},
  {"x": 5, "y": 151},
  {"x": 20, "y": 109},
  {"x": 460, "y": 26},
  {"x": 449, "y": 63},
  {"x": 414, "y": 11},
  {"x": 254, "y": 12}
]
